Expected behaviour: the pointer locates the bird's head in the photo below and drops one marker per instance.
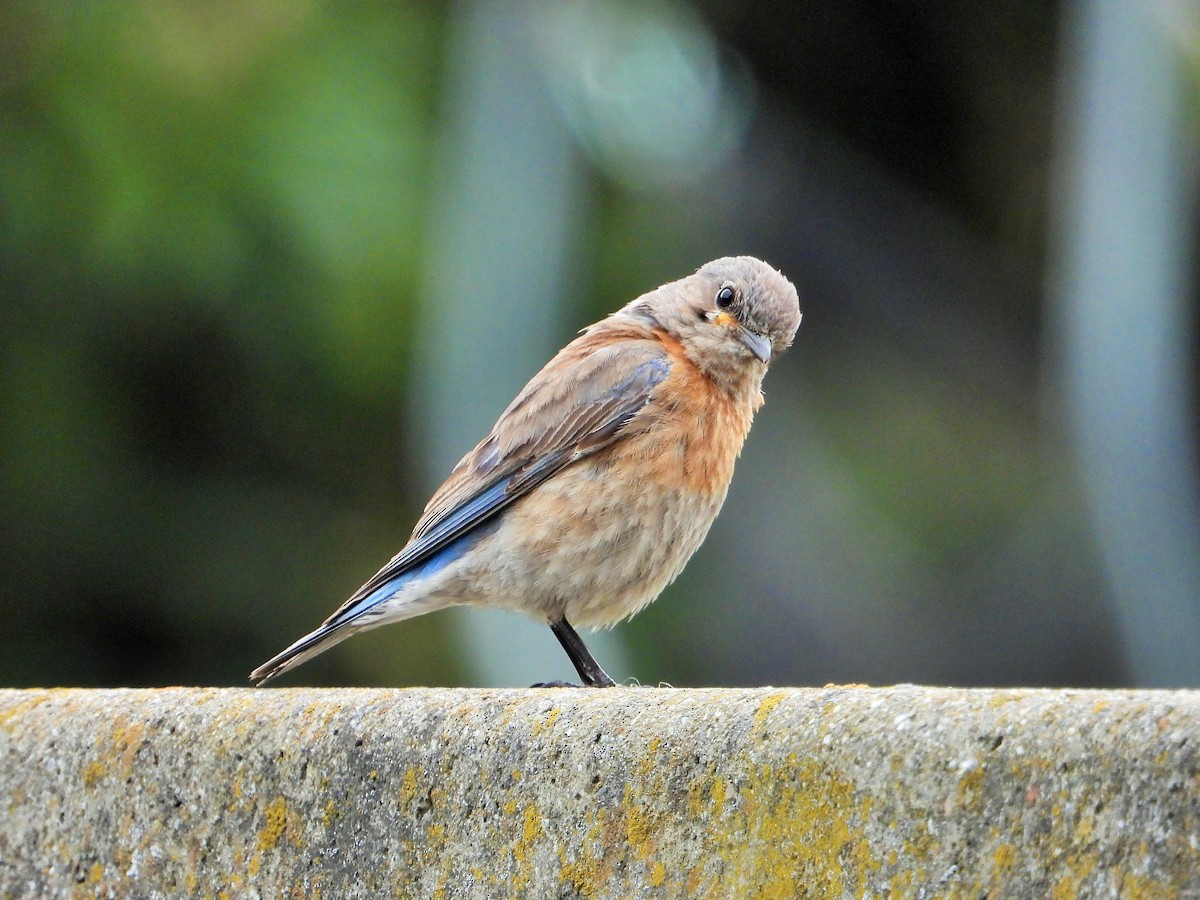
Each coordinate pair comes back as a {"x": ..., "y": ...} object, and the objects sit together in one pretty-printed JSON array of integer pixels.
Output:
[{"x": 732, "y": 316}]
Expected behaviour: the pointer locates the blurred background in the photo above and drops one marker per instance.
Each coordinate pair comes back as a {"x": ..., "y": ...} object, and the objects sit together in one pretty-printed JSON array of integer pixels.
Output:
[{"x": 269, "y": 268}]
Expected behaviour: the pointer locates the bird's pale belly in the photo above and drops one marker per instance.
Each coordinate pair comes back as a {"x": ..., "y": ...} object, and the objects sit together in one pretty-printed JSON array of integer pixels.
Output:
[{"x": 591, "y": 552}]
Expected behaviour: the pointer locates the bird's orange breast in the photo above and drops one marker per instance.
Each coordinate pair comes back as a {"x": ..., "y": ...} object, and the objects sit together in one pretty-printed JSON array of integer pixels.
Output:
[{"x": 694, "y": 430}]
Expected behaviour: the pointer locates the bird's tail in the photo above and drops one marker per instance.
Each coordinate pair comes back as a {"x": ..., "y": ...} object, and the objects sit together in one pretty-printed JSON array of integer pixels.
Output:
[
  {"x": 355, "y": 615},
  {"x": 386, "y": 597},
  {"x": 306, "y": 648}
]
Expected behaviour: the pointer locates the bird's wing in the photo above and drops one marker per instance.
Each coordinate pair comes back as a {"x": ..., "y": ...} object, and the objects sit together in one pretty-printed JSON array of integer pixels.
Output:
[{"x": 579, "y": 403}]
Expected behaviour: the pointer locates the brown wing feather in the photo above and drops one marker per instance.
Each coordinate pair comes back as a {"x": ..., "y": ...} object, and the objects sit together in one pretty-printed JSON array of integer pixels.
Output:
[{"x": 579, "y": 390}]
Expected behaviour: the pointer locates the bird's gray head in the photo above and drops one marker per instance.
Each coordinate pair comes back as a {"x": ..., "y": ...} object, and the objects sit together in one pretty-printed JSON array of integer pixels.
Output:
[
  {"x": 753, "y": 300},
  {"x": 732, "y": 316}
]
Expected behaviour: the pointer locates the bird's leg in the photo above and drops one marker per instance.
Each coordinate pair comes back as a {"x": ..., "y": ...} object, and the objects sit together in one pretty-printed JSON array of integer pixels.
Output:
[{"x": 585, "y": 664}]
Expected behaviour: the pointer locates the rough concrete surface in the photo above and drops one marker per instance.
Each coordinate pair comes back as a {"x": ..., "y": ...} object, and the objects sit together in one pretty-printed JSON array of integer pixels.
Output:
[{"x": 626, "y": 792}]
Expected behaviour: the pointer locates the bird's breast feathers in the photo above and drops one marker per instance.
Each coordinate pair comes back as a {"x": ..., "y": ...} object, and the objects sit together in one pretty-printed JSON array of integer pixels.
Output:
[{"x": 693, "y": 432}]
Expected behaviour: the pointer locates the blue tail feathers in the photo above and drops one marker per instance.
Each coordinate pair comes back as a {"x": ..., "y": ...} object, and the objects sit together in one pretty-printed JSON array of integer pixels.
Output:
[{"x": 350, "y": 618}]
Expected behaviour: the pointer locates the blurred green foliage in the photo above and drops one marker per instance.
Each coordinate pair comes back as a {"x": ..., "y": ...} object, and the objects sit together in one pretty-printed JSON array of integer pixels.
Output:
[{"x": 210, "y": 221}]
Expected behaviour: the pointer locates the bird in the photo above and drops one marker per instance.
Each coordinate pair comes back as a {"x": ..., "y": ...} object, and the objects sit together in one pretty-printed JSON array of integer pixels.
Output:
[{"x": 601, "y": 478}]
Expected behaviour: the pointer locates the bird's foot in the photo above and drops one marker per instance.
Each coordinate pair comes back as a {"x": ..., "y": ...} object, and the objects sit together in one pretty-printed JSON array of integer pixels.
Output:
[{"x": 598, "y": 683}]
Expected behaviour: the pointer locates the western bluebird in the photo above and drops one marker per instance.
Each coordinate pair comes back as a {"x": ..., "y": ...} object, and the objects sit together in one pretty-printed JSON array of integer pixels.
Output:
[{"x": 601, "y": 478}]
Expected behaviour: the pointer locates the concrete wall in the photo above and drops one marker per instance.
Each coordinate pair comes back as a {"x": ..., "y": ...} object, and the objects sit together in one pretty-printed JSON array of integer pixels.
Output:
[{"x": 628, "y": 792}]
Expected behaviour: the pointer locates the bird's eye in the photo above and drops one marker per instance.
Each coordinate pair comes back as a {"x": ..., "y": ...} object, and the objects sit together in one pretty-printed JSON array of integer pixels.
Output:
[{"x": 725, "y": 297}]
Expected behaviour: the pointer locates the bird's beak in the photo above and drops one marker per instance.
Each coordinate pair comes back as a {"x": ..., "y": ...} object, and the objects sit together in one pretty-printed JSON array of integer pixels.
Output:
[{"x": 758, "y": 344}]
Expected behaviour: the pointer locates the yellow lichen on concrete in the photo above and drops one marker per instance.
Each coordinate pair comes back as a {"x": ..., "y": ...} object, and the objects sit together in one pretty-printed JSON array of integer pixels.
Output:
[
  {"x": 93, "y": 772},
  {"x": 582, "y": 874},
  {"x": 717, "y": 796},
  {"x": 1003, "y": 858},
  {"x": 649, "y": 764},
  {"x": 10, "y": 716},
  {"x": 408, "y": 786},
  {"x": 542, "y": 727},
  {"x": 435, "y": 837},
  {"x": 272, "y": 830},
  {"x": 583, "y": 867},
  {"x": 696, "y": 792},
  {"x": 331, "y": 814},
  {"x": 638, "y": 833},
  {"x": 970, "y": 788},
  {"x": 121, "y": 748},
  {"x": 765, "y": 706},
  {"x": 1136, "y": 887},
  {"x": 793, "y": 832},
  {"x": 1000, "y": 699},
  {"x": 523, "y": 848},
  {"x": 658, "y": 874}
]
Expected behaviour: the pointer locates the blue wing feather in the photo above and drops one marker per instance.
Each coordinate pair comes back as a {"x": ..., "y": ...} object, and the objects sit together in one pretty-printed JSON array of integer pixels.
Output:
[{"x": 428, "y": 566}]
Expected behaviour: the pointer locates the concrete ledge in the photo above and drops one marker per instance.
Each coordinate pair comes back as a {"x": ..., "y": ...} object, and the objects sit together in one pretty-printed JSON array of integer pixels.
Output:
[{"x": 628, "y": 792}]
